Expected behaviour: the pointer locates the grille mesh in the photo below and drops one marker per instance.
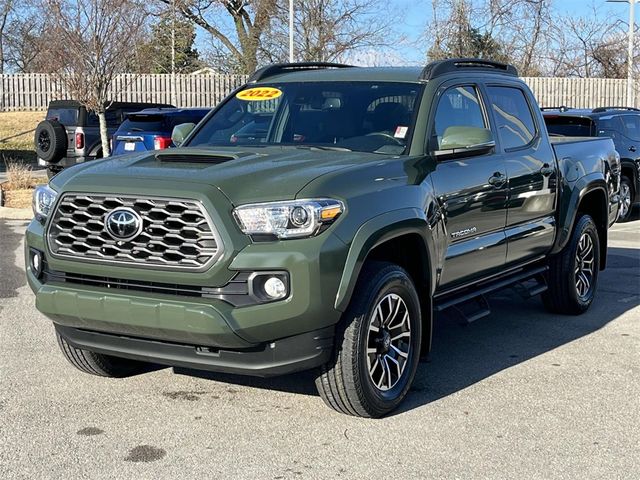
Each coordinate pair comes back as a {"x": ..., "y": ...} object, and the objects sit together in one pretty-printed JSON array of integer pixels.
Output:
[{"x": 175, "y": 234}]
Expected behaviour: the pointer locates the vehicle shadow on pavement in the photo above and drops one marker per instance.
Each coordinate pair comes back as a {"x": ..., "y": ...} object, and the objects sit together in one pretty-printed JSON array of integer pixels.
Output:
[{"x": 516, "y": 331}]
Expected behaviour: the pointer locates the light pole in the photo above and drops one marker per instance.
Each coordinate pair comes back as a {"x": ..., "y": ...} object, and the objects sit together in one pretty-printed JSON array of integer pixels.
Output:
[
  {"x": 291, "y": 31},
  {"x": 632, "y": 26}
]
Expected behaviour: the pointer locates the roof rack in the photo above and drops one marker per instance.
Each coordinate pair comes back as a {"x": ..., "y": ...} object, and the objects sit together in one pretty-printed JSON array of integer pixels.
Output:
[
  {"x": 278, "y": 68},
  {"x": 441, "y": 67},
  {"x": 606, "y": 109},
  {"x": 562, "y": 108}
]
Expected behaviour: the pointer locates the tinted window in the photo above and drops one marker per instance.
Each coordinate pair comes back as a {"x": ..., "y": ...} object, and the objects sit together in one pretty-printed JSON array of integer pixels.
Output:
[
  {"x": 66, "y": 116},
  {"x": 143, "y": 123},
  {"x": 515, "y": 122},
  {"x": 631, "y": 125},
  {"x": 570, "y": 126},
  {"x": 459, "y": 121},
  {"x": 361, "y": 116}
]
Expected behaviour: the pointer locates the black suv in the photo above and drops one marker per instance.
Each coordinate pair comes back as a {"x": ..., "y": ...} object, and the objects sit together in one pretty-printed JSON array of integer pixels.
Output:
[
  {"x": 70, "y": 134},
  {"x": 622, "y": 124}
]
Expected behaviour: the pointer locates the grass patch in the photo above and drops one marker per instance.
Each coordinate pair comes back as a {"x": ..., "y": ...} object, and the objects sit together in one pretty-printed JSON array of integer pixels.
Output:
[
  {"x": 17, "y": 190},
  {"x": 16, "y": 134}
]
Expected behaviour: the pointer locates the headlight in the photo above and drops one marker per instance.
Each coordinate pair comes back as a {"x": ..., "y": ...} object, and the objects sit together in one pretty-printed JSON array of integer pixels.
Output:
[
  {"x": 288, "y": 219},
  {"x": 43, "y": 199}
]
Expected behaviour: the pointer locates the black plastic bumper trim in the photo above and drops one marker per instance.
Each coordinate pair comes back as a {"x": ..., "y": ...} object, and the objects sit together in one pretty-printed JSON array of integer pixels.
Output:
[{"x": 280, "y": 357}]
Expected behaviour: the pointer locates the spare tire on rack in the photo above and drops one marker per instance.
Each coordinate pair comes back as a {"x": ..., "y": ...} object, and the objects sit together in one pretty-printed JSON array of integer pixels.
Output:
[{"x": 50, "y": 141}]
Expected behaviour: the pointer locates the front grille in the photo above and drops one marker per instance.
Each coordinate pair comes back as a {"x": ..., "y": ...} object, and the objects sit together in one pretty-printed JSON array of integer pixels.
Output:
[
  {"x": 175, "y": 234},
  {"x": 235, "y": 292}
]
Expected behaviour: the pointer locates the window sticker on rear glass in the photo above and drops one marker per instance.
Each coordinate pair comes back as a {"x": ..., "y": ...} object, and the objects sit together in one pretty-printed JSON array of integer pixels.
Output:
[
  {"x": 401, "y": 132},
  {"x": 259, "y": 94}
]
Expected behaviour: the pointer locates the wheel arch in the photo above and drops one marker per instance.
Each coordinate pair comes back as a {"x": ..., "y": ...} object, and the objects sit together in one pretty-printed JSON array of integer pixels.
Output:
[
  {"x": 586, "y": 198},
  {"x": 402, "y": 237}
]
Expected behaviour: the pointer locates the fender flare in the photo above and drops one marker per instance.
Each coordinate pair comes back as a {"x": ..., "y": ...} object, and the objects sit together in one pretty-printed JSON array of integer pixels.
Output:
[
  {"x": 569, "y": 211},
  {"x": 377, "y": 231}
]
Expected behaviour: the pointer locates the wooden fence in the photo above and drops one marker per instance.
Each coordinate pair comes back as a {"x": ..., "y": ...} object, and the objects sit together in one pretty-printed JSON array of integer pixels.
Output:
[{"x": 32, "y": 92}]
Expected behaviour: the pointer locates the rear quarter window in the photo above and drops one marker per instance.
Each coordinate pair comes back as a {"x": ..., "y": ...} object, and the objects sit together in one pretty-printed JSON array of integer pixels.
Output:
[{"x": 66, "y": 116}]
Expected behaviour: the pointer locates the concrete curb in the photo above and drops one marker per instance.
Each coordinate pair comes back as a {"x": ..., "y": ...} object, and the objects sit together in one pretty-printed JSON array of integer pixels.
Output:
[{"x": 16, "y": 213}]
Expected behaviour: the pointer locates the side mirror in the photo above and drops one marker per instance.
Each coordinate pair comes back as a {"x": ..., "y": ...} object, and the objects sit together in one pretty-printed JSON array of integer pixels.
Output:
[
  {"x": 459, "y": 142},
  {"x": 180, "y": 132}
]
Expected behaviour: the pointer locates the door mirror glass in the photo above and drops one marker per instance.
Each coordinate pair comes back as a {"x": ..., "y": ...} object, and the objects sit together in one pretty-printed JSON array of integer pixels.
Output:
[
  {"x": 180, "y": 132},
  {"x": 460, "y": 141}
]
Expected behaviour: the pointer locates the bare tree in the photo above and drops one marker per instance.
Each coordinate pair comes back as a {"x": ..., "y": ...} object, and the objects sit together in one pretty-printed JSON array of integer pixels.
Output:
[
  {"x": 6, "y": 8},
  {"x": 328, "y": 30},
  {"x": 96, "y": 40},
  {"x": 240, "y": 43}
]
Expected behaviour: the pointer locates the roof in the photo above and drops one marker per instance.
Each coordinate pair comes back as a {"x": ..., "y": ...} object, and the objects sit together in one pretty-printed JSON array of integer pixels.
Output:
[
  {"x": 170, "y": 111},
  {"x": 110, "y": 105},
  {"x": 354, "y": 74},
  {"x": 326, "y": 71},
  {"x": 587, "y": 112}
]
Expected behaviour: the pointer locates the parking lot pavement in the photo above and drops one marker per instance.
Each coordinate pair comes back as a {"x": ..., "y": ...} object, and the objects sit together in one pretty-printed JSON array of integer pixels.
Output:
[{"x": 519, "y": 394}]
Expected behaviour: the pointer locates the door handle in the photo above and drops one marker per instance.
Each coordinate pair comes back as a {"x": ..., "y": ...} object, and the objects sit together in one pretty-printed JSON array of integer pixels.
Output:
[
  {"x": 632, "y": 148},
  {"x": 547, "y": 170},
  {"x": 497, "y": 180}
]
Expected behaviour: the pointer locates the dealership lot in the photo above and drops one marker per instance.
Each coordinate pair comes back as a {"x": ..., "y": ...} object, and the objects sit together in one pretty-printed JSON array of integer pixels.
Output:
[{"x": 519, "y": 394}]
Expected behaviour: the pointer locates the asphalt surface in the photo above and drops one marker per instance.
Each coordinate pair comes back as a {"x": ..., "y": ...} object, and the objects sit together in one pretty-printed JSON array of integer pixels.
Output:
[{"x": 519, "y": 394}]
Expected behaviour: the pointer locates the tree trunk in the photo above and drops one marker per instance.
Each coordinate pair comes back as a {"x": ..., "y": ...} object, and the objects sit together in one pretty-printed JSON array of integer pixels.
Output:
[{"x": 104, "y": 135}]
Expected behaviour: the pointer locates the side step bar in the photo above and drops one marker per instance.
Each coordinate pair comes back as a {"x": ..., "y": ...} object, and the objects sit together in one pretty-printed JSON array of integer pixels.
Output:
[{"x": 475, "y": 297}]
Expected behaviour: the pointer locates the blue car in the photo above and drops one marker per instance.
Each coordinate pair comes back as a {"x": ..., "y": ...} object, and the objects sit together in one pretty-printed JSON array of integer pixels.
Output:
[{"x": 150, "y": 129}]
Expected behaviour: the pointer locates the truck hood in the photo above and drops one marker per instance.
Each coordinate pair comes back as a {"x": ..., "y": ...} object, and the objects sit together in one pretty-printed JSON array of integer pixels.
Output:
[{"x": 243, "y": 175}]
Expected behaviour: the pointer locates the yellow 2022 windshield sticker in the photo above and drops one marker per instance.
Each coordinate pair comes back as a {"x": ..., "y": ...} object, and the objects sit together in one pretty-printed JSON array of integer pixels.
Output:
[{"x": 259, "y": 94}]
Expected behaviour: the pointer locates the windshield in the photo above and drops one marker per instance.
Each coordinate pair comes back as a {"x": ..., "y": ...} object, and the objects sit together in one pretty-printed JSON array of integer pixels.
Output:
[{"x": 361, "y": 116}]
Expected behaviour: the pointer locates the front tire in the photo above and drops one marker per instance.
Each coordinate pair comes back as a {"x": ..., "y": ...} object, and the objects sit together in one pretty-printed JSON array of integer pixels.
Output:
[
  {"x": 573, "y": 273},
  {"x": 377, "y": 345},
  {"x": 97, "y": 363}
]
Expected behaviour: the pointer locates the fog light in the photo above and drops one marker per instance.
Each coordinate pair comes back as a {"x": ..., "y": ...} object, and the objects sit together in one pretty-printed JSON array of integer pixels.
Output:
[
  {"x": 36, "y": 263},
  {"x": 275, "y": 288}
]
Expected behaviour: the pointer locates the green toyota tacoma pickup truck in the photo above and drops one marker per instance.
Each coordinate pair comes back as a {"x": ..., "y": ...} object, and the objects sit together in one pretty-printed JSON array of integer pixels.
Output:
[{"x": 317, "y": 219}]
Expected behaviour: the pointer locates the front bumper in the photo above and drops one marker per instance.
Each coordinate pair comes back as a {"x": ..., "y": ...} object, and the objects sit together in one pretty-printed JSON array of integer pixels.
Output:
[
  {"x": 288, "y": 355},
  {"x": 153, "y": 322}
]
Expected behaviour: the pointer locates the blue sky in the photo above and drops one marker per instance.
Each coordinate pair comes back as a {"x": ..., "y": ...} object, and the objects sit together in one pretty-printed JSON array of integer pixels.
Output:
[{"x": 414, "y": 15}]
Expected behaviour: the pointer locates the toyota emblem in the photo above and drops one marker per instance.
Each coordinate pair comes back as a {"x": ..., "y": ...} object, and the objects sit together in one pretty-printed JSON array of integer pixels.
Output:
[{"x": 123, "y": 224}]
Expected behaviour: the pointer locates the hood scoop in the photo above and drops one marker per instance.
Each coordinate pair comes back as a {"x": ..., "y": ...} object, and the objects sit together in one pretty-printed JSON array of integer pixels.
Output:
[{"x": 199, "y": 156}]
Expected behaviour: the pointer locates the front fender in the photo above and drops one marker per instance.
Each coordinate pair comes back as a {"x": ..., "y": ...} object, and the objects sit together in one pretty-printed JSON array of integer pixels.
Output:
[{"x": 376, "y": 231}]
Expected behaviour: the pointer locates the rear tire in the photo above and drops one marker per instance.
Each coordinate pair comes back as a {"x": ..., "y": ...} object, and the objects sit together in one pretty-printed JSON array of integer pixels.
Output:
[
  {"x": 98, "y": 363},
  {"x": 573, "y": 273},
  {"x": 627, "y": 197},
  {"x": 377, "y": 345}
]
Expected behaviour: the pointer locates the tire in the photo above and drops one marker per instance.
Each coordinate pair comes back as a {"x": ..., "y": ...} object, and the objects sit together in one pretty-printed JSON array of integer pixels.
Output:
[
  {"x": 571, "y": 289},
  {"x": 50, "y": 141},
  {"x": 98, "y": 363},
  {"x": 627, "y": 196},
  {"x": 346, "y": 383}
]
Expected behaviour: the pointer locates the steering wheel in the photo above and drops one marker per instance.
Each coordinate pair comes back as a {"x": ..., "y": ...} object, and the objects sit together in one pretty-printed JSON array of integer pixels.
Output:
[{"x": 386, "y": 137}]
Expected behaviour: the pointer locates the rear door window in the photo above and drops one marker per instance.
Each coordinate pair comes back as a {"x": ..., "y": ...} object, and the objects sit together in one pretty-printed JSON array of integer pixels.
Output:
[
  {"x": 516, "y": 126},
  {"x": 631, "y": 126}
]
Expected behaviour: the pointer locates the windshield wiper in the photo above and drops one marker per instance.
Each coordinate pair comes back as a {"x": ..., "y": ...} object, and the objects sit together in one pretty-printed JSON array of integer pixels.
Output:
[{"x": 324, "y": 147}]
